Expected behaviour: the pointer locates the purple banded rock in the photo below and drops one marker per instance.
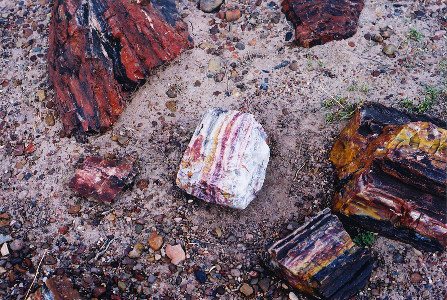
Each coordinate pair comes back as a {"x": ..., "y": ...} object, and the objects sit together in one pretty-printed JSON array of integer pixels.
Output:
[
  {"x": 321, "y": 260},
  {"x": 226, "y": 159}
]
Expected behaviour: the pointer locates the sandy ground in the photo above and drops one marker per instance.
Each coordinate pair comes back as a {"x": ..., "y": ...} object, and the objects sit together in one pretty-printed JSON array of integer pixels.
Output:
[{"x": 298, "y": 183}]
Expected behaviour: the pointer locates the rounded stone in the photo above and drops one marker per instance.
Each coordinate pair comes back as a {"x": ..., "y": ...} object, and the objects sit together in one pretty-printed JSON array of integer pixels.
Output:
[
  {"x": 389, "y": 49},
  {"x": 246, "y": 289},
  {"x": 209, "y": 5}
]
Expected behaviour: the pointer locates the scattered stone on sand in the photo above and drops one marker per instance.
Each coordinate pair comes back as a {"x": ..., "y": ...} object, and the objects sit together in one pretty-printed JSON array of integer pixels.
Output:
[
  {"x": 303, "y": 258},
  {"x": 101, "y": 180},
  {"x": 175, "y": 253},
  {"x": 233, "y": 174},
  {"x": 246, "y": 289},
  {"x": 16, "y": 245},
  {"x": 210, "y": 5},
  {"x": 4, "y": 250},
  {"x": 232, "y": 15},
  {"x": 155, "y": 241},
  {"x": 389, "y": 49}
]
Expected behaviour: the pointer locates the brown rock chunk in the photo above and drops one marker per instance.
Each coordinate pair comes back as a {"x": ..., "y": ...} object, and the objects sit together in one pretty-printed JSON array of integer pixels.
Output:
[
  {"x": 392, "y": 169},
  {"x": 58, "y": 288},
  {"x": 320, "y": 21},
  {"x": 232, "y": 15},
  {"x": 101, "y": 50},
  {"x": 246, "y": 289},
  {"x": 101, "y": 180},
  {"x": 320, "y": 259},
  {"x": 155, "y": 241}
]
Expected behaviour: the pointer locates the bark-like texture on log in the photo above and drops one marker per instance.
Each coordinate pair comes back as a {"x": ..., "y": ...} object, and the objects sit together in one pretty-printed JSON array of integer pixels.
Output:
[
  {"x": 101, "y": 180},
  {"x": 101, "y": 49},
  {"x": 320, "y": 21},
  {"x": 320, "y": 259},
  {"x": 391, "y": 168}
]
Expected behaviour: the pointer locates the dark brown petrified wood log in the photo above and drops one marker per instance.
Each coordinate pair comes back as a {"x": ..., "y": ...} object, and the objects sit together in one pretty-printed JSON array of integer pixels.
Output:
[
  {"x": 320, "y": 259},
  {"x": 101, "y": 180},
  {"x": 101, "y": 49},
  {"x": 391, "y": 168},
  {"x": 320, "y": 21}
]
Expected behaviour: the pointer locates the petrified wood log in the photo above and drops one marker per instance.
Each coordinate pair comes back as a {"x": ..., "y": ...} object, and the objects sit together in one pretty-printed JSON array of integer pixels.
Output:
[
  {"x": 391, "y": 168},
  {"x": 321, "y": 21},
  {"x": 102, "y": 49},
  {"x": 101, "y": 180},
  {"x": 226, "y": 159},
  {"x": 320, "y": 259}
]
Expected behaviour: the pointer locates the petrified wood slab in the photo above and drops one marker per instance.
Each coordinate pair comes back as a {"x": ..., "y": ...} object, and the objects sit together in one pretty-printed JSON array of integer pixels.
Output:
[
  {"x": 101, "y": 180},
  {"x": 102, "y": 49},
  {"x": 320, "y": 21},
  {"x": 320, "y": 259},
  {"x": 391, "y": 168},
  {"x": 226, "y": 159}
]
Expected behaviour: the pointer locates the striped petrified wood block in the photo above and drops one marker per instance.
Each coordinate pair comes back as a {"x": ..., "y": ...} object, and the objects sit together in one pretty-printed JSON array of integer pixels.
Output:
[
  {"x": 226, "y": 159},
  {"x": 321, "y": 260},
  {"x": 391, "y": 169}
]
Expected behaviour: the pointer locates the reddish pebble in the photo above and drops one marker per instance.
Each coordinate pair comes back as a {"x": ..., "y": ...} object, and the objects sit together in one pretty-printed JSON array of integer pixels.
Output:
[
  {"x": 351, "y": 44},
  {"x": 63, "y": 230},
  {"x": 233, "y": 15},
  {"x": 155, "y": 241},
  {"x": 415, "y": 277}
]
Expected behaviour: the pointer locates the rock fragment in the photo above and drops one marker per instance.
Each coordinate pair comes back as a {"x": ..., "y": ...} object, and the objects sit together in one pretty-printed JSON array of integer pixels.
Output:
[
  {"x": 175, "y": 253},
  {"x": 101, "y": 180},
  {"x": 101, "y": 50},
  {"x": 320, "y": 259},
  {"x": 155, "y": 241},
  {"x": 226, "y": 159},
  {"x": 210, "y": 5},
  {"x": 320, "y": 21},
  {"x": 58, "y": 288},
  {"x": 391, "y": 166}
]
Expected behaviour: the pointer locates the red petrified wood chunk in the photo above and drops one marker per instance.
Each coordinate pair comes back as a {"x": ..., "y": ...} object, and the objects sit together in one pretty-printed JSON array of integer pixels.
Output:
[
  {"x": 101, "y": 180},
  {"x": 391, "y": 168},
  {"x": 102, "y": 49},
  {"x": 321, "y": 21}
]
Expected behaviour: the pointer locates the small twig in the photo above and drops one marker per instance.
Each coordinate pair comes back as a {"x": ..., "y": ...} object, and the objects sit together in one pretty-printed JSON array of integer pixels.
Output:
[
  {"x": 37, "y": 272},
  {"x": 101, "y": 253}
]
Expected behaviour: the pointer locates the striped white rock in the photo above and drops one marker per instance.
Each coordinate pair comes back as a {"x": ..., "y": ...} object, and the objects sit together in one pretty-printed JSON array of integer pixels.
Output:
[{"x": 226, "y": 159}]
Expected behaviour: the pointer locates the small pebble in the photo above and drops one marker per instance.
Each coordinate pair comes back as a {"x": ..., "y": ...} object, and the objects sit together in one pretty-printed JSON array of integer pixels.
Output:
[
  {"x": 16, "y": 245},
  {"x": 233, "y": 15},
  {"x": 175, "y": 253},
  {"x": 389, "y": 49},
  {"x": 246, "y": 289},
  {"x": 200, "y": 276}
]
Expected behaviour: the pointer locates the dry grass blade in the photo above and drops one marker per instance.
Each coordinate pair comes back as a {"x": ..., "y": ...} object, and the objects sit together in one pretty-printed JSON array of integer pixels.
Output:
[{"x": 35, "y": 276}]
